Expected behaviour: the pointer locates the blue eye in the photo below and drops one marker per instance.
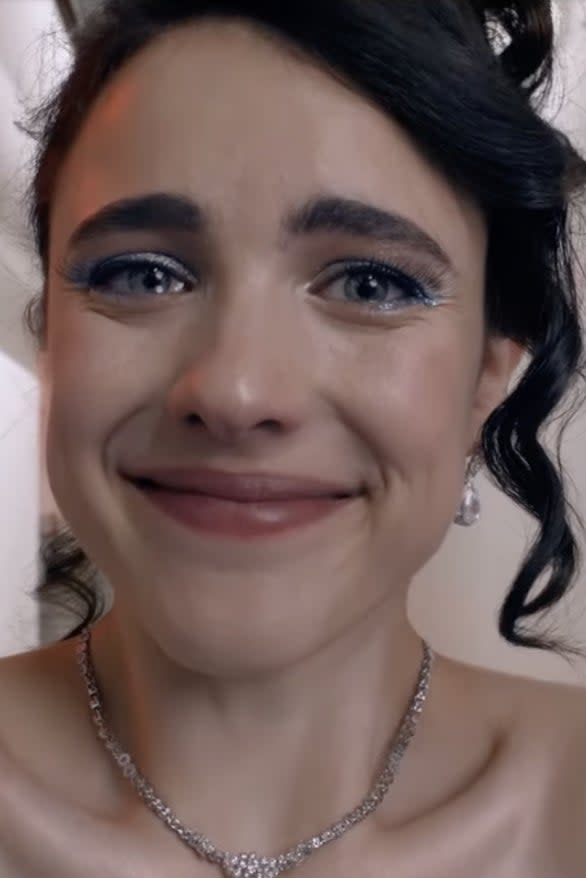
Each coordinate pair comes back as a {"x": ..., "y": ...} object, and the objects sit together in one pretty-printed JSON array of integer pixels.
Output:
[
  {"x": 371, "y": 286},
  {"x": 131, "y": 276},
  {"x": 376, "y": 286}
]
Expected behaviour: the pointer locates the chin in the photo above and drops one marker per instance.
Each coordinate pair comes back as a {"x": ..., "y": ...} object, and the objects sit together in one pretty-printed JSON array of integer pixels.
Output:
[{"x": 236, "y": 644}]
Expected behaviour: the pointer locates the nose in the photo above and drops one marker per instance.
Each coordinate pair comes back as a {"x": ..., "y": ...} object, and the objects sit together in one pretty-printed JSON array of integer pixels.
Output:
[{"x": 250, "y": 372}]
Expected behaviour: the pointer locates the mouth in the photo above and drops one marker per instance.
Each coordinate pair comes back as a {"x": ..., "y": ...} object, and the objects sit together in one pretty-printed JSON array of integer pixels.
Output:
[
  {"x": 147, "y": 484},
  {"x": 243, "y": 519}
]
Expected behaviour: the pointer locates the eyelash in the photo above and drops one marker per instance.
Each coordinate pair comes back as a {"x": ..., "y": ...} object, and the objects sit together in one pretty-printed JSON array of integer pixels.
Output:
[{"x": 419, "y": 285}]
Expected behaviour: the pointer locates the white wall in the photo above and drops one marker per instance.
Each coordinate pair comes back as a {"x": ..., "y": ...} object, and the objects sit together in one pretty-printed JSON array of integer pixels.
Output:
[
  {"x": 18, "y": 521},
  {"x": 453, "y": 601},
  {"x": 31, "y": 60}
]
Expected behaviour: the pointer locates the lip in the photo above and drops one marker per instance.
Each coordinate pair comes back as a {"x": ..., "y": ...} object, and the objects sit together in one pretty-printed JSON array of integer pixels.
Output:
[
  {"x": 237, "y": 519},
  {"x": 250, "y": 487}
]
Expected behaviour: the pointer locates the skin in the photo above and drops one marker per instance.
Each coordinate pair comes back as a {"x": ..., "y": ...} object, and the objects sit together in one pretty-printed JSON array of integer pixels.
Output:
[{"x": 269, "y": 676}]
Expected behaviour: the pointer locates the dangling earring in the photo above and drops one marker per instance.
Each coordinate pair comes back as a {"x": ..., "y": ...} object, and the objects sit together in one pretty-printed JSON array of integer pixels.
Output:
[{"x": 469, "y": 511}]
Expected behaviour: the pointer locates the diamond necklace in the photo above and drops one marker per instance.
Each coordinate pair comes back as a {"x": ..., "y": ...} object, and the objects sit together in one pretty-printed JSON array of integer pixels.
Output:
[{"x": 251, "y": 865}]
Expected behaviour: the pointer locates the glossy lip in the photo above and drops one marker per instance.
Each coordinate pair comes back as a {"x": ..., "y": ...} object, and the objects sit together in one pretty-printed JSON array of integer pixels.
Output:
[
  {"x": 244, "y": 487},
  {"x": 237, "y": 519}
]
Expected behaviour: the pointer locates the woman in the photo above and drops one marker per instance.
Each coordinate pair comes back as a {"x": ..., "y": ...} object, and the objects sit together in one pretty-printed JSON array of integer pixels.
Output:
[{"x": 293, "y": 255}]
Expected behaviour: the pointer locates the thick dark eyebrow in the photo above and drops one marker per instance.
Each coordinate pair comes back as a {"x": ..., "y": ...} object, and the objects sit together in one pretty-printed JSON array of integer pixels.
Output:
[
  {"x": 160, "y": 211},
  {"x": 353, "y": 217},
  {"x": 144, "y": 213}
]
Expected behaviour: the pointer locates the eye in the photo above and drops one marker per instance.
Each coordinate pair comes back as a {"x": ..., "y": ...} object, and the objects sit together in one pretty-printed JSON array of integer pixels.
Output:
[
  {"x": 378, "y": 286},
  {"x": 132, "y": 276}
]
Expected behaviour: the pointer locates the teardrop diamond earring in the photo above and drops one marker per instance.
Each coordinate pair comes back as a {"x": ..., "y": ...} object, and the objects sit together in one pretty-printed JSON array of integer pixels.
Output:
[{"x": 469, "y": 511}]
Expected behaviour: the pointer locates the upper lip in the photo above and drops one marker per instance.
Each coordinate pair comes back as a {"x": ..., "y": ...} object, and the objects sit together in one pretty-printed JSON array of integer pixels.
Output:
[{"x": 241, "y": 486}]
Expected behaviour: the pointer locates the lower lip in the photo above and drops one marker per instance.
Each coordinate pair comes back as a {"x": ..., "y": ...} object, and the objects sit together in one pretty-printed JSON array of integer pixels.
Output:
[{"x": 245, "y": 520}]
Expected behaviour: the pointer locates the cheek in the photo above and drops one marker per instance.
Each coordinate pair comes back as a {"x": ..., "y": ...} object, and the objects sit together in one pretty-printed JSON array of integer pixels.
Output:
[
  {"x": 95, "y": 374},
  {"x": 415, "y": 396},
  {"x": 416, "y": 390},
  {"x": 415, "y": 421}
]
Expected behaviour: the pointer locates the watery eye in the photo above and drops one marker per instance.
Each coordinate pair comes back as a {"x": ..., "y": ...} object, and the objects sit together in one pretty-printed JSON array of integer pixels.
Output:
[
  {"x": 138, "y": 279},
  {"x": 375, "y": 287},
  {"x": 371, "y": 287},
  {"x": 131, "y": 276}
]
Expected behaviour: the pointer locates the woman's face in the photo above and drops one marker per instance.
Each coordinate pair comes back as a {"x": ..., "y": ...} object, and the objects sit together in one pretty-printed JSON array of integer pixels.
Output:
[{"x": 253, "y": 347}]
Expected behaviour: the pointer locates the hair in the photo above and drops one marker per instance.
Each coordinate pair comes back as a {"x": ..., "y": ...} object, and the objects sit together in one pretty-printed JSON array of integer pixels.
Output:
[{"x": 467, "y": 79}]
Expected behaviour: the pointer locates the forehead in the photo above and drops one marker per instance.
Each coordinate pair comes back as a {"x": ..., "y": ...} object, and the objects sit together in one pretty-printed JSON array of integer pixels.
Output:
[{"x": 220, "y": 112}]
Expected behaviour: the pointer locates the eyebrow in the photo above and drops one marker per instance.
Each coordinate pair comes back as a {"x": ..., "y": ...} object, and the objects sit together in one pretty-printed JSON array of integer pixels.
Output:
[{"x": 322, "y": 213}]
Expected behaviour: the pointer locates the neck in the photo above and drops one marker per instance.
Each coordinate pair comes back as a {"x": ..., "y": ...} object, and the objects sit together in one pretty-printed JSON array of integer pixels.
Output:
[{"x": 291, "y": 750}]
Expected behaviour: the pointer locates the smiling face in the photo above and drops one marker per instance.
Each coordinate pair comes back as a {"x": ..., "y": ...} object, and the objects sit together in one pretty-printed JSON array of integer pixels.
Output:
[{"x": 257, "y": 340}]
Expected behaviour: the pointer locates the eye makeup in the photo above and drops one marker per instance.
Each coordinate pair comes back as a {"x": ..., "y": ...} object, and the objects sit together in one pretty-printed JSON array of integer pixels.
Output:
[{"x": 167, "y": 276}]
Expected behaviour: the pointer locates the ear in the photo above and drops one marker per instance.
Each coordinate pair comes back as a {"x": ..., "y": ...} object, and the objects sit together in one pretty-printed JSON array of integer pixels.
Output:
[{"x": 500, "y": 360}]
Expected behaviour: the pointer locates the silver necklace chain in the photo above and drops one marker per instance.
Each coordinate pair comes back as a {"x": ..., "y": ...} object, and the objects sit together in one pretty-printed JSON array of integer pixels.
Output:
[{"x": 251, "y": 865}]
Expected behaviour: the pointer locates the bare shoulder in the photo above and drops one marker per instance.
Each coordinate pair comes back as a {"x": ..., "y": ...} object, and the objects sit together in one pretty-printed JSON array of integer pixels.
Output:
[
  {"x": 546, "y": 767},
  {"x": 53, "y": 776},
  {"x": 551, "y": 736},
  {"x": 38, "y": 679},
  {"x": 41, "y": 711},
  {"x": 536, "y": 712}
]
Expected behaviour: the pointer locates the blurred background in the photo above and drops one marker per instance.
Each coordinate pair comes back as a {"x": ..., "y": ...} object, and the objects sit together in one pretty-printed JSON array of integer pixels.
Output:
[{"x": 454, "y": 600}]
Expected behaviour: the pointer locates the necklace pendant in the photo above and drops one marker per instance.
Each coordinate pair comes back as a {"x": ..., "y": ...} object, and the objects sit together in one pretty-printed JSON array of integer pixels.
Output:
[{"x": 250, "y": 865}]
